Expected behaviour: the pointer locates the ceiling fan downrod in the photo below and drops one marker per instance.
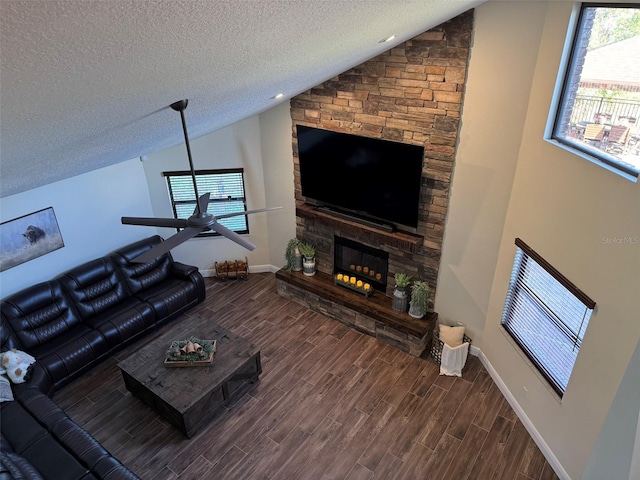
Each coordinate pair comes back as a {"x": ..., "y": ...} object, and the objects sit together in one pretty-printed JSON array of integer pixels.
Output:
[{"x": 180, "y": 106}]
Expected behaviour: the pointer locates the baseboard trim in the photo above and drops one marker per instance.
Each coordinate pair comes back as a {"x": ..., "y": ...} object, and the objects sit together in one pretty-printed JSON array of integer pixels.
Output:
[{"x": 535, "y": 435}]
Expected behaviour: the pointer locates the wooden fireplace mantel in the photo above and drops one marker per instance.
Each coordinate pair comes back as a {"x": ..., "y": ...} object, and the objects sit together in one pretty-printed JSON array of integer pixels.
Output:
[
  {"x": 403, "y": 241},
  {"x": 372, "y": 315}
]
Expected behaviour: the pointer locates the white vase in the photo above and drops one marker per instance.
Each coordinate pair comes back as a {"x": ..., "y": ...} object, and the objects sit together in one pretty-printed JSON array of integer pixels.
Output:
[
  {"x": 309, "y": 266},
  {"x": 415, "y": 312}
]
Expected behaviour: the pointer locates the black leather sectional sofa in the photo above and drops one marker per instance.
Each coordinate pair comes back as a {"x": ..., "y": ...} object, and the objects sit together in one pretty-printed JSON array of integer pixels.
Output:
[{"x": 70, "y": 324}]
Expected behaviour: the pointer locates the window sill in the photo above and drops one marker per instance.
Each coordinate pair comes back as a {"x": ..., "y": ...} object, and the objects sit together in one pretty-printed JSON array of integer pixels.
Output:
[
  {"x": 543, "y": 381},
  {"x": 594, "y": 159}
]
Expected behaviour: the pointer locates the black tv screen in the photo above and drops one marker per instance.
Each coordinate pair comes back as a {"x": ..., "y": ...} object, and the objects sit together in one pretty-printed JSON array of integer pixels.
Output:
[{"x": 374, "y": 179}]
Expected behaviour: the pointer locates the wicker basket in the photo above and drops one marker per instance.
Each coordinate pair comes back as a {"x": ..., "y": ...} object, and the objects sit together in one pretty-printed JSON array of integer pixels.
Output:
[{"x": 437, "y": 344}]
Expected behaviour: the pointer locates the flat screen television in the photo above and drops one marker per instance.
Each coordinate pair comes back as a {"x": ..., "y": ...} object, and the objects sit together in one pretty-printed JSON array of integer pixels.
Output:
[{"x": 372, "y": 179}]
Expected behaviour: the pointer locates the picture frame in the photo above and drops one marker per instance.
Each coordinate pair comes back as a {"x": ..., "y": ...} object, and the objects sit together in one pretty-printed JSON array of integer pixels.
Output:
[{"x": 24, "y": 238}]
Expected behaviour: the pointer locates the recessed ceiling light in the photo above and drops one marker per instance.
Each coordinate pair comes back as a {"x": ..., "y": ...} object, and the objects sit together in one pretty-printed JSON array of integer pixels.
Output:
[
  {"x": 278, "y": 96},
  {"x": 388, "y": 39}
]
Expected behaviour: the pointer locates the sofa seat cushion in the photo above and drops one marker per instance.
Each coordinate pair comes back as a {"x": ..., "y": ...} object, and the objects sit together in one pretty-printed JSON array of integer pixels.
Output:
[
  {"x": 169, "y": 287},
  {"x": 123, "y": 322},
  {"x": 40, "y": 431},
  {"x": 170, "y": 298},
  {"x": 39, "y": 314},
  {"x": 71, "y": 354}
]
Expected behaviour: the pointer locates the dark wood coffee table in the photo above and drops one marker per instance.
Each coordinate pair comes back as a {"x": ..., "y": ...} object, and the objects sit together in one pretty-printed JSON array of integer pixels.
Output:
[{"x": 190, "y": 397}]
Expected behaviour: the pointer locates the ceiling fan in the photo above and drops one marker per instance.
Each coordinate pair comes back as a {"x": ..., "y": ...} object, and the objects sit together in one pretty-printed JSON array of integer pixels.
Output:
[{"x": 199, "y": 222}]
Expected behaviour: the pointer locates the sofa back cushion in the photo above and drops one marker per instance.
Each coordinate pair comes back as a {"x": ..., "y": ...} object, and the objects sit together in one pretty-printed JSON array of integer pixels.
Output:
[
  {"x": 39, "y": 313},
  {"x": 141, "y": 276},
  {"x": 94, "y": 287},
  {"x": 8, "y": 340}
]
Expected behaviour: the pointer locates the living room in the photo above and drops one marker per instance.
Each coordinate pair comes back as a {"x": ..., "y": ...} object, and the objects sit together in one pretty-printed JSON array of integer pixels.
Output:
[{"x": 507, "y": 183}]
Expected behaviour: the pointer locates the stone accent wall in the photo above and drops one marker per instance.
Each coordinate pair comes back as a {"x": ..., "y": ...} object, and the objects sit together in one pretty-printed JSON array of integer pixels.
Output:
[
  {"x": 407, "y": 342},
  {"x": 412, "y": 93}
]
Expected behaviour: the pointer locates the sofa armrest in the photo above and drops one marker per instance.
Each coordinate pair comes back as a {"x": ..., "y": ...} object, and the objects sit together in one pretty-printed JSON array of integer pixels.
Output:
[
  {"x": 182, "y": 270},
  {"x": 37, "y": 377},
  {"x": 13, "y": 466},
  {"x": 191, "y": 273}
]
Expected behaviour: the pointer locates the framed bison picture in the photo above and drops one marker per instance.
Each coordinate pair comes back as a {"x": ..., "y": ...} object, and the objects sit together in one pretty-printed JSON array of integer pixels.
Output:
[{"x": 28, "y": 237}]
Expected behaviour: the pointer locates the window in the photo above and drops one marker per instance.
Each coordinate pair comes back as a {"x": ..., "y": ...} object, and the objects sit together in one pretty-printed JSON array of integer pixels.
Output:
[
  {"x": 546, "y": 315},
  {"x": 226, "y": 188},
  {"x": 597, "y": 106}
]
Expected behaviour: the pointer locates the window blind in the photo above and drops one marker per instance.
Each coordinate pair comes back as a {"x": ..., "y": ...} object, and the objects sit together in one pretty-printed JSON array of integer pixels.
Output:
[
  {"x": 546, "y": 315},
  {"x": 227, "y": 195}
]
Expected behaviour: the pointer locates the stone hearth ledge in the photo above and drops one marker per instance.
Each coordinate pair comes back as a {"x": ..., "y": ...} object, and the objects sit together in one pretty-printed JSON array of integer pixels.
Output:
[{"x": 373, "y": 315}]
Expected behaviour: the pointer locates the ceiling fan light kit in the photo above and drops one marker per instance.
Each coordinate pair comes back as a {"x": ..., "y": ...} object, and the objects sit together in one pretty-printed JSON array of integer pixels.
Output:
[{"x": 200, "y": 221}]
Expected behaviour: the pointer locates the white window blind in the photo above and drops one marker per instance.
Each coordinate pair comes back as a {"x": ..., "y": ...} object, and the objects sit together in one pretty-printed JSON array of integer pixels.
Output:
[
  {"x": 227, "y": 195},
  {"x": 546, "y": 315}
]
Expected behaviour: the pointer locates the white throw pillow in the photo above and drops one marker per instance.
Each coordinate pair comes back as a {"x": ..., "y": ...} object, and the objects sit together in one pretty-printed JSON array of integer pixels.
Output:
[
  {"x": 16, "y": 364},
  {"x": 452, "y": 336}
]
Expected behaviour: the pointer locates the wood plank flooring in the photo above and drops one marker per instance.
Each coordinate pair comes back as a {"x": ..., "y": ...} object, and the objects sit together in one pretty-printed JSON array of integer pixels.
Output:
[{"x": 332, "y": 403}]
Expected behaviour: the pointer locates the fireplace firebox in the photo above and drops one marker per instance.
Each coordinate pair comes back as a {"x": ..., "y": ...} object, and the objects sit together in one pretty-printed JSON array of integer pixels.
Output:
[{"x": 371, "y": 265}]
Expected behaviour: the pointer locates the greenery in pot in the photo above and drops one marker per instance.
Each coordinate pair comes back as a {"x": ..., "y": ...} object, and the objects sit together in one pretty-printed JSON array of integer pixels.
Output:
[
  {"x": 290, "y": 255},
  {"x": 402, "y": 280},
  {"x": 307, "y": 250},
  {"x": 419, "y": 302}
]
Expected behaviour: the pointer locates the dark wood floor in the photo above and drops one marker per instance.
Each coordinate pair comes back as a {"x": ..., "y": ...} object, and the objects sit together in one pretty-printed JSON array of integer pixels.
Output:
[{"x": 332, "y": 403}]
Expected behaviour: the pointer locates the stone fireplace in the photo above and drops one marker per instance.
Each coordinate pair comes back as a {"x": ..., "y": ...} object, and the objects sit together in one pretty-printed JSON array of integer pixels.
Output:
[
  {"x": 399, "y": 249},
  {"x": 413, "y": 94},
  {"x": 365, "y": 263}
]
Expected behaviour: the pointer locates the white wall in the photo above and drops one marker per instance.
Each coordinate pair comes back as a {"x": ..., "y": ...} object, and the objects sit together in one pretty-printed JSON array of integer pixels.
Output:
[
  {"x": 262, "y": 146},
  {"x": 565, "y": 208},
  {"x": 277, "y": 156},
  {"x": 88, "y": 210},
  {"x": 232, "y": 147},
  {"x": 501, "y": 68},
  {"x": 614, "y": 449}
]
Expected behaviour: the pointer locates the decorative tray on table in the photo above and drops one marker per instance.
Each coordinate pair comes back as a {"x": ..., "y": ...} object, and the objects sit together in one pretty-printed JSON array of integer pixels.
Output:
[{"x": 191, "y": 352}]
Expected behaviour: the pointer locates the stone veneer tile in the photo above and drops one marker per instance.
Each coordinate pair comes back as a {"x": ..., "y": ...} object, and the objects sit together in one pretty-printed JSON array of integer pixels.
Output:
[
  {"x": 407, "y": 343},
  {"x": 411, "y": 93}
]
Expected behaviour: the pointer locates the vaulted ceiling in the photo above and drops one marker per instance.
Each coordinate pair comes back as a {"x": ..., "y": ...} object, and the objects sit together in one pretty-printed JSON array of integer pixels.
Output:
[{"x": 87, "y": 83}]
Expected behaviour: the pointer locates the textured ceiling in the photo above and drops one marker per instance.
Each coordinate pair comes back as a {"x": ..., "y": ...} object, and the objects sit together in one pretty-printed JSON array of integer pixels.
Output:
[{"x": 86, "y": 83}]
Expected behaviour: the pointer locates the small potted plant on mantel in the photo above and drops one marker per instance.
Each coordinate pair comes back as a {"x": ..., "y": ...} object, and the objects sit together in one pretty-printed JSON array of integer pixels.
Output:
[
  {"x": 400, "y": 297},
  {"x": 308, "y": 252},
  {"x": 293, "y": 256},
  {"x": 419, "y": 303}
]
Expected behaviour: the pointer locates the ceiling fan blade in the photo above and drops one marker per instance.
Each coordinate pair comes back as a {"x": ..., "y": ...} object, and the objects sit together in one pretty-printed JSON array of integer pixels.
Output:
[
  {"x": 231, "y": 235},
  {"x": 248, "y": 212},
  {"x": 203, "y": 203},
  {"x": 155, "y": 222},
  {"x": 168, "y": 244}
]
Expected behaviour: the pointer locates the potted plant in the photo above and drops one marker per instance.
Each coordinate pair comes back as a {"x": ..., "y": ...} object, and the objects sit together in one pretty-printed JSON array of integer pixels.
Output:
[
  {"x": 419, "y": 303},
  {"x": 293, "y": 256},
  {"x": 308, "y": 252},
  {"x": 400, "y": 297}
]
